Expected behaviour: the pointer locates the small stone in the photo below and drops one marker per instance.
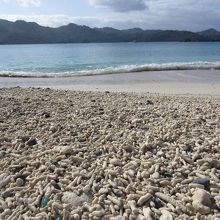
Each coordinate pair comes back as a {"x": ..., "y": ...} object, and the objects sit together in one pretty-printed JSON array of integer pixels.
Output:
[
  {"x": 53, "y": 129},
  {"x": 202, "y": 201},
  {"x": 128, "y": 148},
  {"x": 31, "y": 142},
  {"x": 58, "y": 196},
  {"x": 118, "y": 217},
  {"x": 86, "y": 189},
  {"x": 155, "y": 175},
  {"x": 146, "y": 147},
  {"x": 164, "y": 183},
  {"x": 64, "y": 149},
  {"x": 98, "y": 178},
  {"x": 166, "y": 174},
  {"x": 115, "y": 162},
  {"x": 148, "y": 102},
  {"x": 73, "y": 199},
  {"x": 203, "y": 181},
  {"x": 144, "y": 199},
  {"x": 98, "y": 152},
  {"x": 7, "y": 193},
  {"x": 160, "y": 153},
  {"x": 136, "y": 121},
  {"x": 19, "y": 182},
  {"x": 158, "y": 203},
  {"x": 21, "y": 176},
  {"x": 103, "y": 191},
  {"x": 46, "y": 114},
  {"x": 166, "y": 215},
  {"x": 52, "y": 168},
  {"x": 55, "y": 185},
  {"x": 4, "y": 180},
  {"x": 59, "y": 217},
  {"x": 55, "y": 162},
  {"x": 187, "y": 147},
  {"x": 195, "y": 185},
  {"x": 2, "y": 154},
  {"x": 44, "y": 201}
]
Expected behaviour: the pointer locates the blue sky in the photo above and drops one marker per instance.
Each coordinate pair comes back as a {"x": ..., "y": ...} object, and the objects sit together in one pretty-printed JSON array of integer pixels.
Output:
[{"x": 147, "y": 14}]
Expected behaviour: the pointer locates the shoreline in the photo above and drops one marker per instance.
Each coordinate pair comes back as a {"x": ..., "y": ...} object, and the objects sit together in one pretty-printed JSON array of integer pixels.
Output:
[
  {"x": 198, "y": 82},
  {"x": 154, "y": 67}
]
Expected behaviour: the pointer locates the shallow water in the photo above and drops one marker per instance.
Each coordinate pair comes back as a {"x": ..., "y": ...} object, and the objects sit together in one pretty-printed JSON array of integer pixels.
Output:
[{"x": 93, "y": 58}]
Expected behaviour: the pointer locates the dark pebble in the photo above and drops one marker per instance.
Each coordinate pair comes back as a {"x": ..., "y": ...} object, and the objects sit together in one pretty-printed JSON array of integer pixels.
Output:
[
  {"x": 166, "y": 174},
  {"x": 98, "y": 178},
  {"x": 158, "y": 203},
  {"x": 20, "y": 176},
  {"x": 20, "y": 114},
  {"x": 187, "y": 147},
  {"x": 2, "y": 154},
  {"x": 148, "y": 102},
  {"x": 46, "y": 114},
  {"x": 31, "y": 142},
  {"x": 98, "y": 153},
  {"x": 58, "y": 217},
  {"x": 7, "y": 193},
  {"x": 202, "y": 181},
  {"x": 16, "y": 169},
  {"x": 128, "y": 148},
  {"x": 55, "y": 162},
  {"x": 56, "y": 186}
]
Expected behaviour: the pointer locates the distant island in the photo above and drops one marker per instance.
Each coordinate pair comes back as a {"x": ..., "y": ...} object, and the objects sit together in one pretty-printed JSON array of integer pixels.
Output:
[{"x": 22, "y": 32}]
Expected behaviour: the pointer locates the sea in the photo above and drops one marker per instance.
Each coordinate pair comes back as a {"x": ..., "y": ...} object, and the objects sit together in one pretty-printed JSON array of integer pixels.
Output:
[{"x": 63, "y": 60}]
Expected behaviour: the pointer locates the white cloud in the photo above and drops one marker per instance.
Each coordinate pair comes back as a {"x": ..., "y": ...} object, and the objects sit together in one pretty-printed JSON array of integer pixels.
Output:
[
  {"x": 192, "y": 15},
  {"x": 29, "y": 2},
  {"x": 25, "y": 3},
  {"x": 57, "y": 20},
  {"x": 121, "y": 5}
]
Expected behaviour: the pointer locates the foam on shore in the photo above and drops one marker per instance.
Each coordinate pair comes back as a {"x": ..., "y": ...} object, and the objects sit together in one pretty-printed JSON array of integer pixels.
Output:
[{"x": 200, "y": 65}]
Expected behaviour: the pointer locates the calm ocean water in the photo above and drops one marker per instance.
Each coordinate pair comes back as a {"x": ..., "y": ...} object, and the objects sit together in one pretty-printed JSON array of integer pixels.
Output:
[{"x": 79, "y": 59}]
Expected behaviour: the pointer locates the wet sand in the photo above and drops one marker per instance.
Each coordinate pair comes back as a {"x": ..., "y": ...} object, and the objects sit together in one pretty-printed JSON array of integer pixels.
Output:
[{"x": 203, "y": 82}]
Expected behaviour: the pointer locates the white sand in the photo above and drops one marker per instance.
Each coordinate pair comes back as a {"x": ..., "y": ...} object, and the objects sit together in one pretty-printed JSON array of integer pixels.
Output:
[{"x": 203, "y": 82}]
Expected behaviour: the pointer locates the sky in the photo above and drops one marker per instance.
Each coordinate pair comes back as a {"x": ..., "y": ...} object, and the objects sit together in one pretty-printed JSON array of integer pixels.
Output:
[{"x": 193, "y": 15}]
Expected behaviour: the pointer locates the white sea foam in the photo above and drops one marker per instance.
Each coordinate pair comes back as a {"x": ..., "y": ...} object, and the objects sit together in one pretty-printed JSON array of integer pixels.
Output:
[{"x": 200, "y": 65}]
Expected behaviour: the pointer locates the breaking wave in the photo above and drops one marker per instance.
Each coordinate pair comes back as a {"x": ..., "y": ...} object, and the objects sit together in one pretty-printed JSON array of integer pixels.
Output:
[{"x": 201, "y": 65}]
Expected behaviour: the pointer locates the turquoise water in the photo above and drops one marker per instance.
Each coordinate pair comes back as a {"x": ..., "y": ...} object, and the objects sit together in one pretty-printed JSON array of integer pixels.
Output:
[{"x": 81, "y": 59}]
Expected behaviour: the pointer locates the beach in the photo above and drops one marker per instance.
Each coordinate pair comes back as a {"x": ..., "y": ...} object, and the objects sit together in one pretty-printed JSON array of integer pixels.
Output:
[
  {"x": 140, "y": 146},
  {"x": 109, "y": 110}
]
